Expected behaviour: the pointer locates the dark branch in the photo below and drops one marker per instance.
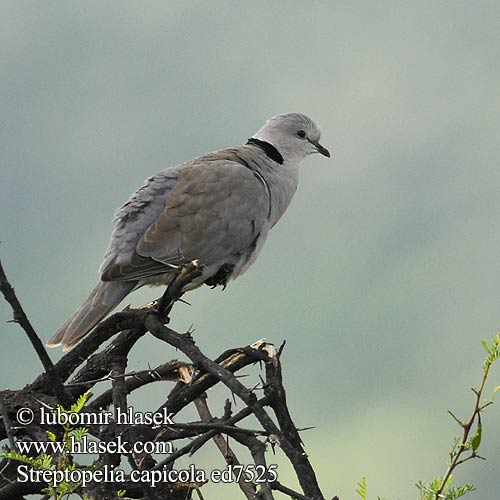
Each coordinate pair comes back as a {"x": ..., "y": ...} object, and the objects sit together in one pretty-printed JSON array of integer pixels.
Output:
[
  {"x": 21, "y": 319},
  {"x": 88, "y": 364},
  {"x": 247, "y": 488}
]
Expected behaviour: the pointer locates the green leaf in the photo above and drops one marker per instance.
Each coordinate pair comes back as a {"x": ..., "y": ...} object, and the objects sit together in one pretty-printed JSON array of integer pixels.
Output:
[
  {"x": 78, "y": 433},
  {"x": 80, "y": 402},
  {"x": 19, "y": 457},
  {"x": 361, "y": 489},
  {"x": 486, "y": 346},
  {"x": 51, "y": 435},
  {"x": 495, "y": 390},
  {"x": 43, "y": 462},
  {"x": 459, "y": 491},
  {"x": 65, "y": 488},
  {"x": 476, "y": 439}
]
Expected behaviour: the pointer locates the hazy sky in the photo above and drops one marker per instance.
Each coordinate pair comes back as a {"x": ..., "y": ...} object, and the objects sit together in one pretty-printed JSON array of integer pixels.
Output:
[{"x": 382, "y": 275}]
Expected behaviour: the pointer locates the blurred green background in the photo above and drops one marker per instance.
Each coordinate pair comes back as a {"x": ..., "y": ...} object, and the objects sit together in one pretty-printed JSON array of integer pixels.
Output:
[{"x": 383, "y": 275}]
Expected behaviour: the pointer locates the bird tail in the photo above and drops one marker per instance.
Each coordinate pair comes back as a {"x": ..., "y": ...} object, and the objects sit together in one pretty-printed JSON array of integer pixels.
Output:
[{"x": 102, "y": 299}]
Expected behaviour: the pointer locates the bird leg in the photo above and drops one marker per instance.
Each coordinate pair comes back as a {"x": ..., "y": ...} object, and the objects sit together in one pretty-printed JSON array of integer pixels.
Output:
[{"x": 186, "y": 274}]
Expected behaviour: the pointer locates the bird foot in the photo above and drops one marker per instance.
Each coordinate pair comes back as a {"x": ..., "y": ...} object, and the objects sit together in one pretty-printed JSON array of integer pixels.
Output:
[{"x": 221, "y": 277}]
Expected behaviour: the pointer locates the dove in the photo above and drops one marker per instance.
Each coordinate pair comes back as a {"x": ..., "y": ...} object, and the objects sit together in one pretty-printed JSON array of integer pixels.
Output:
[{"x": 217, "y": 209}]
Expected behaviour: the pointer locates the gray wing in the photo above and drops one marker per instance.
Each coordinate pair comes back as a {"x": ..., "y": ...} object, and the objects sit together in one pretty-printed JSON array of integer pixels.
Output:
[
  {"x": 132, "y": 219},
  {"x": 211, "y": 209}
]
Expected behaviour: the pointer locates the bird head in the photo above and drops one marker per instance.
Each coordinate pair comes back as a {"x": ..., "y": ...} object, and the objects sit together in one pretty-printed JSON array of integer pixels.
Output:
[{"x": 294, "y": 135}]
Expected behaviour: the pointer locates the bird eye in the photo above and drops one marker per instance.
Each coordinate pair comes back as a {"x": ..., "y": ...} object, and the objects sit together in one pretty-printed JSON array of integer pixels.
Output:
[{"x": 301, "y": 134}]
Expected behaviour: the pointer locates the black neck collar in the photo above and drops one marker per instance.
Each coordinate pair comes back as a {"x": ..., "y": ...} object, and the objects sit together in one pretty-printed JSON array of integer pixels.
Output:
[{"x": 268, "y": 148}]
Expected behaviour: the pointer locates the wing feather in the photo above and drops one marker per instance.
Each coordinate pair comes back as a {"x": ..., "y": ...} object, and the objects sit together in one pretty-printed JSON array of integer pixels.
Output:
[
  {"x": 211, "y": 219},
  {"x": 211, "y": 209}
]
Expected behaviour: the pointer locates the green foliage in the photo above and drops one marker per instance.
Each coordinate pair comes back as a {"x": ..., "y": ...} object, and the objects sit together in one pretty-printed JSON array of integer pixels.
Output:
[
  {"x": 493, "y": 351},
  {"x": 495, "y": 390},
  {"x": 464, "y": 448},
  {"x": 75, "y": 407},
  {"x": 361, "y": 489},
  {"x": 476, "y": 439},
  {"x": 41, "y": 462},
  {"x": 51, "y": 436},
  {"x": 78, "y": 433},
  {"x": 63, "y": 489},
  {"x": 449, "y": 492},
  {"x": 63, "y": 460},
  {"x": 80, "y": 402},
  {"x": 442, "y": 488}
]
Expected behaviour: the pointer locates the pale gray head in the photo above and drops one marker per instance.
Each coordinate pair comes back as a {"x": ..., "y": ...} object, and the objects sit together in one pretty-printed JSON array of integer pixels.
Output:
[{"x": 294, "y": 135}]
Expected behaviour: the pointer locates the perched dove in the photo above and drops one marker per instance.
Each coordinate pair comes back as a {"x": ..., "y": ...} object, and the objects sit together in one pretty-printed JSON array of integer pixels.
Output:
[{"x": 217, "y": 208}]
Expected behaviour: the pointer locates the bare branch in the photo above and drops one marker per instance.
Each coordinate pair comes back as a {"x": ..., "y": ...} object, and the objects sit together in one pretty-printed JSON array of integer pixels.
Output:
[
  {"x": 89, "y": 364},
  {"x": 21, "y": 319},
  {"x": 247, "y": 488},
  {"x": 8, "y": 426}
]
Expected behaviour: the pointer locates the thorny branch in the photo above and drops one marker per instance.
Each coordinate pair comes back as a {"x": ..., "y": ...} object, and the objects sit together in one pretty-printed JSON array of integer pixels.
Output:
[
  {"x": 19, "y": 316},
  {"x": 90, "y": 366}
]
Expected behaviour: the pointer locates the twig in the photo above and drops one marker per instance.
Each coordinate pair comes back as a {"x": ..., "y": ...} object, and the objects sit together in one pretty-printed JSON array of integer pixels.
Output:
[
  {"x": 21, "y": 319},
  {"x": 303, "y": 469},
  {"x": 101, "y": 364},
  {"x": 293, "y": 448},
  {"x": 130, "y": 320},
  {"x": 247, "y": 488},
  {"x": 275, "y": 485},
  {"x": 187, "y": 346},
  {"x": 8, "y": 426},
  {"x": 257, "y": 450},
  {"x": 197, "y": 443},
  {"x": 161, "y": 372},
  {"x": 232, "y": 360},
  {"x": 217, "y": 426},
  {"x": 167, "y": 371},
  {"x": 186, "y": 274},
  {"x": 456, "y": 459}
]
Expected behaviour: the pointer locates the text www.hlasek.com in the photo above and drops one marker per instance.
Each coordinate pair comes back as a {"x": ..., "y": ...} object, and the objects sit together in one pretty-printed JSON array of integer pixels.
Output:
[
  {"x": 89, "y": 446},
  {"x": 73, "y": 445}
]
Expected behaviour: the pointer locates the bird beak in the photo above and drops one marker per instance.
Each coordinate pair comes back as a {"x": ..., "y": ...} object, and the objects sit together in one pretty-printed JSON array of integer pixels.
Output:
[{"x": 321, "y": 149}]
